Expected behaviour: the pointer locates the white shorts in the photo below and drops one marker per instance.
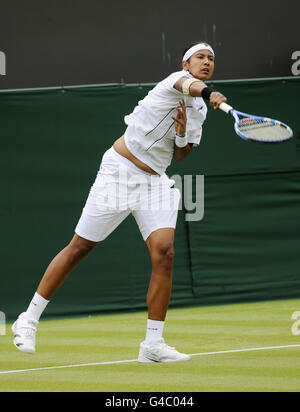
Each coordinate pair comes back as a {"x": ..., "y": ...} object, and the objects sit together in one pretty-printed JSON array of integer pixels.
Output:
[{"x": 122, "y": 188}]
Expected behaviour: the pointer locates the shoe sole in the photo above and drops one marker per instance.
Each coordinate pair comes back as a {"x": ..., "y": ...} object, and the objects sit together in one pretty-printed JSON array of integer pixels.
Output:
[{"x": 143, "y": 359}]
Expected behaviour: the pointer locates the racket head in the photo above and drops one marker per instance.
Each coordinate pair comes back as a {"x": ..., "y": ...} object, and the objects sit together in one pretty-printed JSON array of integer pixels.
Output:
[{"x": 260, "y": 129}]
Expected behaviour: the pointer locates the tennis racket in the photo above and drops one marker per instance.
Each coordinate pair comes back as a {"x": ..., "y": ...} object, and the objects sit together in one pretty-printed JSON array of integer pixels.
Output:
[{"x": 256, "y": 128}]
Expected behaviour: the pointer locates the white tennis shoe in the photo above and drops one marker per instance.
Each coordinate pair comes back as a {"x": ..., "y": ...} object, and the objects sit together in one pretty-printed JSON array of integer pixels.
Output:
[
  {"x": 160, "y": 352},
  {"x": 24, "y": 330}
]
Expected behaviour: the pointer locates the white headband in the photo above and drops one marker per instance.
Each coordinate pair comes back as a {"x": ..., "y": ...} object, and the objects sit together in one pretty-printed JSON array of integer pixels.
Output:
[{"x": 194, "y": 49}]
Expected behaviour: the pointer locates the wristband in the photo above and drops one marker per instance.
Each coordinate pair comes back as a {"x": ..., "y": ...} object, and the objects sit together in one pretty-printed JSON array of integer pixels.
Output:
[
  {"x": 180, "y": 141},
  {"x": 206, "y": 92}
]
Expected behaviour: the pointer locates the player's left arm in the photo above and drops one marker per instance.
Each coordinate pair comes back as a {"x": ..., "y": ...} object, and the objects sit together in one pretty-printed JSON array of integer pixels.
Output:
[{"x": 180, "y": 153}]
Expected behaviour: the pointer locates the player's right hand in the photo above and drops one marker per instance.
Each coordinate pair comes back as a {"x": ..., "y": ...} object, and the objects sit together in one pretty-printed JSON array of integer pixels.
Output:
[{"x": 216, "y": 99}]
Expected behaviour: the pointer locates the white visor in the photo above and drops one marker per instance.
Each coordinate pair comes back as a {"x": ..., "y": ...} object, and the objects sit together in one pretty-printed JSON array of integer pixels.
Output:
[{"x": 197, "y": 47}]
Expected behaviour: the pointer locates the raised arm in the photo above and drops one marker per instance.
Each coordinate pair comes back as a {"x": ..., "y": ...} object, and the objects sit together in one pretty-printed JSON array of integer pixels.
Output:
[{"x": 197, "y": 88}]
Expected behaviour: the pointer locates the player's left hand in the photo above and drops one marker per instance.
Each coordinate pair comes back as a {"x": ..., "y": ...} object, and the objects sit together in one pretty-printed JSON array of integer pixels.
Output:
[
  {"x": 216, "y": 99},
  {"x": 180, "y": 119}
]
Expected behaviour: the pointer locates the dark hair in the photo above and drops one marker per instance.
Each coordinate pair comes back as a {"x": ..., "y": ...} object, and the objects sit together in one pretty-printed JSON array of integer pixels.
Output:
[{"x": 194, "y": 44}]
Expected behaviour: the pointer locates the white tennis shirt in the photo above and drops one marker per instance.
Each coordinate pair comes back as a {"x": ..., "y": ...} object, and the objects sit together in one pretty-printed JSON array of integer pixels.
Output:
[{"x": 150, "y": 130}]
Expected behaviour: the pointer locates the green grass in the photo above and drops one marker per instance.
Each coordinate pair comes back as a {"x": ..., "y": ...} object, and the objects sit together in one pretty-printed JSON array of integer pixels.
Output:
[{"x": 191, "y": 330}]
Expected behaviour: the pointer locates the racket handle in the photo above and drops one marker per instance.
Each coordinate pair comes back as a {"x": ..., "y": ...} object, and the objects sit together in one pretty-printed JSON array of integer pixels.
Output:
[{"x": 225, "y": 107}]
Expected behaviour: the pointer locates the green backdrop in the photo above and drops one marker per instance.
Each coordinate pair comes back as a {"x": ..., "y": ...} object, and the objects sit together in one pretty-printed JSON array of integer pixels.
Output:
[{"x": 245, "y": 248}]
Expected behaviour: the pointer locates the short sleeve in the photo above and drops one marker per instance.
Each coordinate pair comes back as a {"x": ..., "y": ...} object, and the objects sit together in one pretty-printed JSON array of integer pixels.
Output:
[
  {"x": 195, "y": 139},
  {"x": 173, "y": 78}
]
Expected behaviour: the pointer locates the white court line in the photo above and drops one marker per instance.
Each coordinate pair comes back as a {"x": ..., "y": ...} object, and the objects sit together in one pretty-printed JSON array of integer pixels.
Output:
[
  {"x": 135, "y": 360},
  {"x": 245, "y": 350}
]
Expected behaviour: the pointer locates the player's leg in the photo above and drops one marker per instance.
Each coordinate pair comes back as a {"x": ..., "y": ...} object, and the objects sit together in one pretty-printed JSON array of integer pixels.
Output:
[
  {"x": 157, "y": 226},
  {"x": 64, "y": 262},
  {"x": 161, "y": 249},
  {"x": 154, "y": 348},
  {"x": 99, "y": 218}
]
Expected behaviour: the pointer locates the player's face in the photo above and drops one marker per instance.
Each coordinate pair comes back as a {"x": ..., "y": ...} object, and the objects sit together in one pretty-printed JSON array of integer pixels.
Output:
[{"x": 201, "y": 64}]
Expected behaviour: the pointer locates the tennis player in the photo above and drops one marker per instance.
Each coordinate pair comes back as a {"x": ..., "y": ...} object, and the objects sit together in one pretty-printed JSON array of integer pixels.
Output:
[{"x": 166, "y": 124}]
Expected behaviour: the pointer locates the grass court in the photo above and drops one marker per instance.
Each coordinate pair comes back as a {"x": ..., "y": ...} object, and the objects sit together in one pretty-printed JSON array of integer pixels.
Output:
[{"x": 235, "y": 348}]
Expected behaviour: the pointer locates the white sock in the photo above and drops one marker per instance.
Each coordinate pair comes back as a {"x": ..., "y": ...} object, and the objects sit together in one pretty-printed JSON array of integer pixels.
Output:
[
  {"x": 154, "y": 330},
  {"x": 36, "y": 307}
]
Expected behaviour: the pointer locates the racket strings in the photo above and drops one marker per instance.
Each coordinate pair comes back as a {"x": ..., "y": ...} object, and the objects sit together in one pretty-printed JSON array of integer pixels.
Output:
[{"x": 263, "y": 130}]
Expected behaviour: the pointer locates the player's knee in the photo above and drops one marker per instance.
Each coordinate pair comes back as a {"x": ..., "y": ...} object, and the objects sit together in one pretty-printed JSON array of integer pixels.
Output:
[
  {"x": 79, "y": 250},
  {"x": 163, "y": 256}
]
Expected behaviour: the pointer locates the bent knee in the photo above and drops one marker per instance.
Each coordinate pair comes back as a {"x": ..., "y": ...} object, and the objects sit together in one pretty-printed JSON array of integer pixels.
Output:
[
  {"x": 163, "y": 255},
  {"x": 80, "y": 247}
]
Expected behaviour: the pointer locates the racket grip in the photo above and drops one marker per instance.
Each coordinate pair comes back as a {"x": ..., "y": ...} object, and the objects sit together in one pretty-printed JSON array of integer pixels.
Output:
[{"x": 225, "y": 107}]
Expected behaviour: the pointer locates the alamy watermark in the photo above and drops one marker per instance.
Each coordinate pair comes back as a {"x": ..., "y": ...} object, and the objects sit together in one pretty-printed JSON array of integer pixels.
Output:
[
  {"x": 125, "y": 190},
  {"x": 296, "y": 65},
  {"x": 2, "y": 323},
  {"x": 296, "y": 325},
  {"x": 2, "y": 63}
]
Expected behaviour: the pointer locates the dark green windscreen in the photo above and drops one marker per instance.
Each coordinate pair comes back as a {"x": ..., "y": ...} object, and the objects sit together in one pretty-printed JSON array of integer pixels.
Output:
[{"x": 245, "y": 248}]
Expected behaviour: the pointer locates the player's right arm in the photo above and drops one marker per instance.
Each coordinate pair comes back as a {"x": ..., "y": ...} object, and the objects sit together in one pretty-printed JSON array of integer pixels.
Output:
[{"x": 196, "y": 88}]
